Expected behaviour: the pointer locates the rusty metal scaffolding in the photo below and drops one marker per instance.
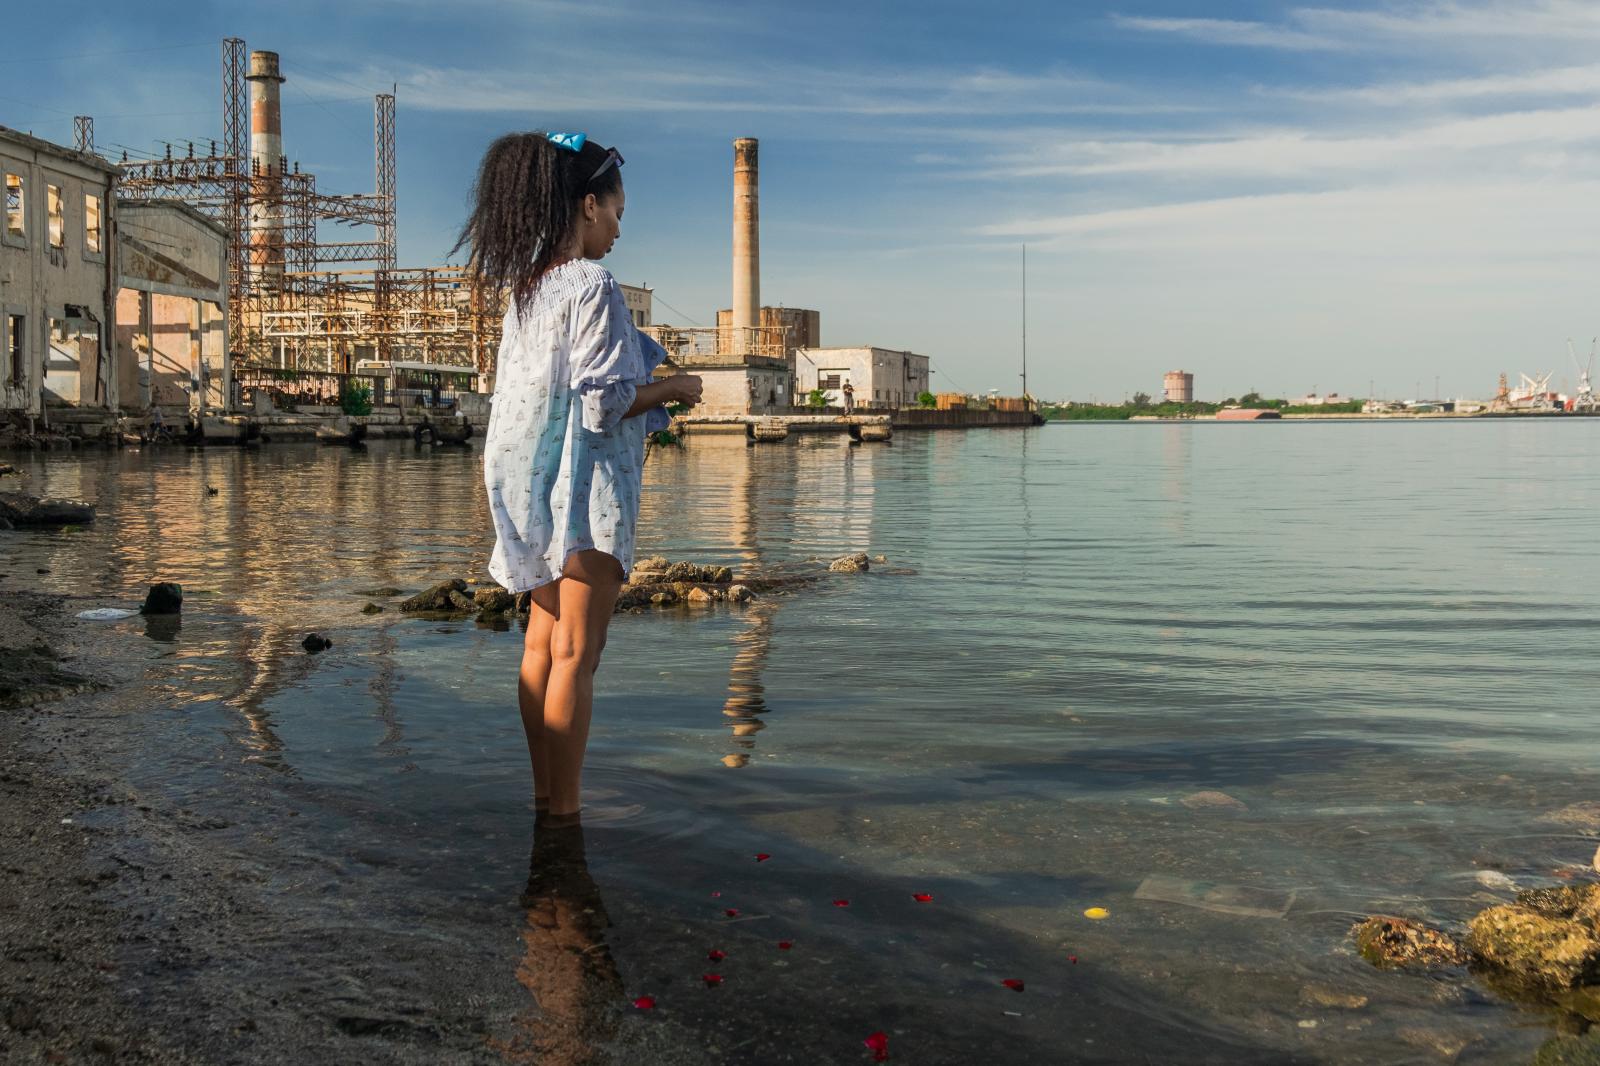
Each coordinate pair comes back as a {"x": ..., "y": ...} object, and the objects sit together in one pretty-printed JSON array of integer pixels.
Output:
[
  {"x": 340, "y": 317},
  {"x": 285, "y": 309}
]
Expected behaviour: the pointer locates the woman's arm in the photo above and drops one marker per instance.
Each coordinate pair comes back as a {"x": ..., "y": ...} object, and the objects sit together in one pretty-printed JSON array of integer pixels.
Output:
[{"x": 679, "y": 388}]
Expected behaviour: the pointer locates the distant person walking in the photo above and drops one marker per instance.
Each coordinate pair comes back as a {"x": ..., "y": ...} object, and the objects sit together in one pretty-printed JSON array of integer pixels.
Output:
[
  {"x": 564, "y": 452},
  {"x": 849, "y": 391}
]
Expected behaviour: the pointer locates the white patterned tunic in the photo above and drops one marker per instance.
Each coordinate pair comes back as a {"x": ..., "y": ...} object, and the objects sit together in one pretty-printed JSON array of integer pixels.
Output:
[{"x": 562, "y": 465}]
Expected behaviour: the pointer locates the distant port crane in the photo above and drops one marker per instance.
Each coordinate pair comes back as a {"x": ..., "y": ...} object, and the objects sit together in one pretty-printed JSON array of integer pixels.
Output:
[{"x": 1585, "y": 399}]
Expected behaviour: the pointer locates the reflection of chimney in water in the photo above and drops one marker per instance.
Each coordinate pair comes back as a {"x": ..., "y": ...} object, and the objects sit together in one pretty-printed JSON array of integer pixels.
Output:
[
  {"x": 746, "y": 244},
  {"x": 266, "y": 164}
]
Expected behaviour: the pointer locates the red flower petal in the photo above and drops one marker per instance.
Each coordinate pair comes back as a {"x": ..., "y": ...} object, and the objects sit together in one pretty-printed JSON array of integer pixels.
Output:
[
  {"x": 785, "y": 945},
  {"x": 878, "y": 1043},
  {"x": 1013, "y": 983},
  {"x": 716, "y": 956},
  {"x": 712, "y": 980},
  {"x": 732, "y": 912},
  {"x": 923, "y": 897},
  {"x": 841, "y": 903},
  {"x": 714, "y": 895},
  {"x": 1073, "y": 959},
  {"x": 645, "y": 1003},
  {"x": 762, "y": 856}
]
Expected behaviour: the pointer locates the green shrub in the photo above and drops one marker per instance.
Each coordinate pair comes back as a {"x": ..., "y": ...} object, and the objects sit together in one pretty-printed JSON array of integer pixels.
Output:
[
  {"x": 355, "y": 398},
  {"x": 926, "y": 399},
  {"x": 817, "y": 398}
]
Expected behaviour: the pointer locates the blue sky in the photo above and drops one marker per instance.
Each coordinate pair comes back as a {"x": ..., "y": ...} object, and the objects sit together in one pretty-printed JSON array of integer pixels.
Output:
[{"x": 1270, "y": 195}]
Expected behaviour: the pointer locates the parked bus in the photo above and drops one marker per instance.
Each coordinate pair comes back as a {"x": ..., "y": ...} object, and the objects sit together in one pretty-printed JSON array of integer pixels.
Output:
[{"x": 411, "y": 383}]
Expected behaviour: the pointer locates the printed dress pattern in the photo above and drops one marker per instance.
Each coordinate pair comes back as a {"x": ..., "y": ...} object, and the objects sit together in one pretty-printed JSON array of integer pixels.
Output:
[{"x": 562, "y": 466}]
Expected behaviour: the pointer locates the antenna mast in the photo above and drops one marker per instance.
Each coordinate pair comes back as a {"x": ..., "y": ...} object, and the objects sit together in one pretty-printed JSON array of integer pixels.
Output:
[{"x": 1024, "y": 325}]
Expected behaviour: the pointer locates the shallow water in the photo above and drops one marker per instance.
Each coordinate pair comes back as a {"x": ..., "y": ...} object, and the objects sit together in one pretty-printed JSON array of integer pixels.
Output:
[{"x": 1377, "y": 640}]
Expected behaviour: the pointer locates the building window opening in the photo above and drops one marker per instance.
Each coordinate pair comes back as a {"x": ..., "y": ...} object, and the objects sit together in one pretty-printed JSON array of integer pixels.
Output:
[
  {"x": 15, "y": 203},
  {"x": 16, "y": 332},
  {"x": 828, "y": 380},
  {"x": 58, "y": 219},
  {"x": 91, "y": 222}
]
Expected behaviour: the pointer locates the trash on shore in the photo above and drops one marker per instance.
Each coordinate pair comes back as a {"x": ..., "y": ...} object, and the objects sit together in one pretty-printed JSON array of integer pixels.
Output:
[
  {"x": 106, "y": 614},
  {"x": 1218, "y": 898}
]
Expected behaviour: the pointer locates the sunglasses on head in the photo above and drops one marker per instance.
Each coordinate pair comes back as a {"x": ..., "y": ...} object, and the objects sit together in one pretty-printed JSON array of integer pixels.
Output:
[{"x": 574, "y": 142}]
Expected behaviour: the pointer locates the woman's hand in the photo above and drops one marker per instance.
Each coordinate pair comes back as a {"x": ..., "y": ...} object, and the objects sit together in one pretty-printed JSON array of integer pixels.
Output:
[{"x": 686, "y": 388}]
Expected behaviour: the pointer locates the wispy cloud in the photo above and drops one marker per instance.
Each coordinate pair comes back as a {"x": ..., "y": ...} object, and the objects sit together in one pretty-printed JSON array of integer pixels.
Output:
[
  {"x": 1562, "y": 81},
  {"x": 1386, "y": 25},
  {"x": 1230, "y": 32}
]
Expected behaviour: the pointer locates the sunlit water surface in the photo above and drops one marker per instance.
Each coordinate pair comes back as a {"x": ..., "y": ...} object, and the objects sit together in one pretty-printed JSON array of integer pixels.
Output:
[{"x": 1377, "y": 641}]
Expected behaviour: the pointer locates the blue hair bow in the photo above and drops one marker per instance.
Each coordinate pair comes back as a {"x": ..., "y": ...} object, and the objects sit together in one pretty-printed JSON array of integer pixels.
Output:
[{"x": 572, "y": 142}]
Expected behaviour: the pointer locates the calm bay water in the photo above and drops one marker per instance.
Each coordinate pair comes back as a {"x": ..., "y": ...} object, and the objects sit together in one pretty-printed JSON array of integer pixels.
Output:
[{"x": 1377, "y": 641}]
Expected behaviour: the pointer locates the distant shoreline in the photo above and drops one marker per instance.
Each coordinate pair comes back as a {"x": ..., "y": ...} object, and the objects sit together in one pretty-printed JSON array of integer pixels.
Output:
[{"x": 1441, "y": 416}]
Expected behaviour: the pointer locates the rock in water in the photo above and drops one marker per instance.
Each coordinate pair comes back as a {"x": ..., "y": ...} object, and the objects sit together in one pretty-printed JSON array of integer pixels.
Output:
[
  {"x": 372, "y": 608},
  {"x": 740, "y": 593},
  {"x": 1545, "y": 953},
  {"x": 165, "y": 597},
  {"x": 381, "y": 592},
  {"x": 1570, "y": 1051},
  {"x": 1213, "y": 800},
  {"x": 1581, "y": 816},
  {"x": 699, "y": 597},
  {"x": 719, "y": 575},
  {"x": 315, "y": 642},
  {"x": 850, "y": 564},
  {"x": 1391, "y": 943},
  {"x": 22, "y": 510},
  {"x": 493, "y": 598},
  {"x": 437, "y": 598}
]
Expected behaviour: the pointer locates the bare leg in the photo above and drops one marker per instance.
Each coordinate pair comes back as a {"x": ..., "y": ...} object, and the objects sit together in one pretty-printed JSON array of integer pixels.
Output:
[
  {"x": 531, "y": 683},
  {"x": 588, "y": 591}
]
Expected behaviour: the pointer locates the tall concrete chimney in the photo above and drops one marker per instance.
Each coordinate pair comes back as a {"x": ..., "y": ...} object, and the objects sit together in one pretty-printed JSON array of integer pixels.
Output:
[
  {"x": 746, "y": 244},
  {"x": 266, "y": 163}
]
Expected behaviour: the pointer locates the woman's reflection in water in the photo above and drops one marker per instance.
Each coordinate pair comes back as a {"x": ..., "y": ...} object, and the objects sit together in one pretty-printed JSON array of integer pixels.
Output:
[
  {"x": 567, "y": 965},
  {"x": 746, "y": 692}
]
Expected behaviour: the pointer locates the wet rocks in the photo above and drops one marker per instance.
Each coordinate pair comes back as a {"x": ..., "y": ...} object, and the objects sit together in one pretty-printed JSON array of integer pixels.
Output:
[
  {"x": 1548, "y": 940},
  {"x": 440, "y": 597},
  {"x": 1211, "y": 800},
  {"x": 315, "y": 642},
  {"x": 1570, "y": 1051},
  {"x": 850, "y": 564},
  {"x": 1391, "y": 943},
  {"x": 164, "y": 597},
  {"x": 742, "y": 594},
  {"x": 372, "y": 608},
  {"x": 493, "y": 599},
  {"x": 699, "y": 597},
  {"x": 1584, "y": 817},
  {"x": 1331, "y": 998},
  {"x": 382, "y": 592},
  {"x": 24, "y": 511},
  {"x": 716, "y": 575}
]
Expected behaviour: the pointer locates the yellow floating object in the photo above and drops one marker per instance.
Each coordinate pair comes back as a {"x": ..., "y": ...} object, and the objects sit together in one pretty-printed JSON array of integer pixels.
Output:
[{"x": 1097, "y": 913}]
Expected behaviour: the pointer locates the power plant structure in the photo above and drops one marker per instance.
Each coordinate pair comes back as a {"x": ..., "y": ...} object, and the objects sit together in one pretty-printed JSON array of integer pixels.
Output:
[{"x": 297, "y": 301}]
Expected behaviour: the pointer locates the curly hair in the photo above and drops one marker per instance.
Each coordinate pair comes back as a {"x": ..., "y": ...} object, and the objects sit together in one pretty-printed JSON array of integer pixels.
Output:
[{"x": 525, "y": 209}]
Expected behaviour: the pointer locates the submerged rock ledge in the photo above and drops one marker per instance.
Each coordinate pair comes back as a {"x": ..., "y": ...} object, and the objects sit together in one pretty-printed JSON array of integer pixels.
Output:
[{"x": 654, "y": 583}]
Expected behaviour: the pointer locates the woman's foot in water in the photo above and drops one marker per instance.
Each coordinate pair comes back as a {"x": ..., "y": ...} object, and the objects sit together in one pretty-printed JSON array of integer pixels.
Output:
[{"x": 545, "y": 818}]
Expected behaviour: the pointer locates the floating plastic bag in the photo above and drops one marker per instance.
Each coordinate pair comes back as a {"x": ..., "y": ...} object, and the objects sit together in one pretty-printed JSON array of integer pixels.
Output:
[{"x": 105, "y": 614}]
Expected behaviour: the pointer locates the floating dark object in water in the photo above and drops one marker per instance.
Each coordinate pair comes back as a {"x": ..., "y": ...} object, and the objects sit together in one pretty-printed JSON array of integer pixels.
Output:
[
  {"x": 212, "y": 490},
  {"x": 164, "y": 597},
  {"x": 316, "y": 642}
]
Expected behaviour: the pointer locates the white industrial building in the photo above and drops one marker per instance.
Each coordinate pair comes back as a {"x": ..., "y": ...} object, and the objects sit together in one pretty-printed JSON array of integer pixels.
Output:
[{"x": 881, "y": 377}]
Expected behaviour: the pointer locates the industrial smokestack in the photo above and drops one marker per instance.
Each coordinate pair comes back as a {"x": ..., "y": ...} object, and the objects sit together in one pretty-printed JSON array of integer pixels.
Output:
[
  {"x": 746, "y": 244},
  {"x": 266, "y": 164}
]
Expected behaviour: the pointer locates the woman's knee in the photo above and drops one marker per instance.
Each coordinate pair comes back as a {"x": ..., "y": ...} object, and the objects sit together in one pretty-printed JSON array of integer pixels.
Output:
[{"x": 574, "y": 648}]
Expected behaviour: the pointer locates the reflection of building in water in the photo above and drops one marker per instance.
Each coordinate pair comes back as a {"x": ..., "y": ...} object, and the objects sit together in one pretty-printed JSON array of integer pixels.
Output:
[
  {"x": 746, "y": 700},
  {"x": 566, "y": 964},
  {"x": 1177, "y": 449}
]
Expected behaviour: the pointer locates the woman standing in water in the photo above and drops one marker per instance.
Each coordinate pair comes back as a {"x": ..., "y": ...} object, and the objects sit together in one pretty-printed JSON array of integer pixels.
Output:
[{"x": 573, "y": 401}]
